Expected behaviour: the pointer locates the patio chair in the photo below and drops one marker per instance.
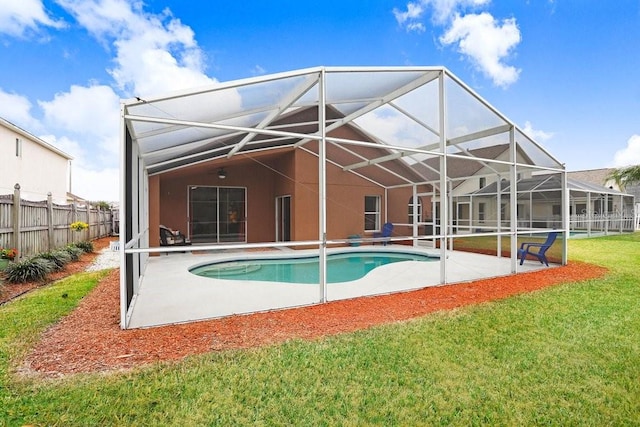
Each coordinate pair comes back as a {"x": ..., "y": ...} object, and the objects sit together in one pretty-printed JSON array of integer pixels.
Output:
[
  {"x": 387, "y": 228},
  {"x": 169, "y": 237},
  {"x": 537, "y": 249}
]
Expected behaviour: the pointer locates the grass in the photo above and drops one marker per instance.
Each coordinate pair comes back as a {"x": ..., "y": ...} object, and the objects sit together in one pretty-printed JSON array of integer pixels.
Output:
[
  {"x": 490, "y": 244},
  {"x": 568, "y": 355}
]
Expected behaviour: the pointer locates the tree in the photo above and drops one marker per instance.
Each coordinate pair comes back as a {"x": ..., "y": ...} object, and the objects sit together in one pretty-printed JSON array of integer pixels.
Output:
[
  {"x": 102, "y": 205},
  {"x": 625, "y": 176}
]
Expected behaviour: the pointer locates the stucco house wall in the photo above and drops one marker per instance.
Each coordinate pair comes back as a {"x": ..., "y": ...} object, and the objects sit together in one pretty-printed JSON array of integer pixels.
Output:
[
  {"x": 22, "y": 160},
  {"x": 272, "y": 178}
]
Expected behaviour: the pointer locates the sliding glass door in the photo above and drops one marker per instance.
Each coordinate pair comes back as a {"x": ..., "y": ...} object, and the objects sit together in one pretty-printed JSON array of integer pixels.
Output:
[{"x": 217, "y": 214}]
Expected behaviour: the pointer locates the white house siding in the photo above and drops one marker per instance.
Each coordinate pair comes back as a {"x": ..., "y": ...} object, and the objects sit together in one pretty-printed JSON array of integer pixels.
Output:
[
  {"x": 39, "y": 168},
  {"x": 490, "y": 205}
]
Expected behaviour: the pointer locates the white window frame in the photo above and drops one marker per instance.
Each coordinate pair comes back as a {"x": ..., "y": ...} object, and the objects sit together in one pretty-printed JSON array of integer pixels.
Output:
[
  {"x": 376, "y": 213},
  {"x": 413, "y": 211}
]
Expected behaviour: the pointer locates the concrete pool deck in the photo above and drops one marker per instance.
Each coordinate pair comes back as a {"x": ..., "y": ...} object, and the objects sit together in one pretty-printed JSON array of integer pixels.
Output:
[{"x": 170, "y": 294}]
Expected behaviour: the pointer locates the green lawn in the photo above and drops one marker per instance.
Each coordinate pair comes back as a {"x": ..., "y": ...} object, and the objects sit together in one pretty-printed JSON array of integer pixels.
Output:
[
  {"x": 568, "y": 355},
  {"x": 489, "y": 244}
]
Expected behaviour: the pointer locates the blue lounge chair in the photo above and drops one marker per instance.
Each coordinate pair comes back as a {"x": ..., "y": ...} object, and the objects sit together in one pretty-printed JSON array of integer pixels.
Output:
[
  {"x": 539, "y": 249},
  {"x": 387, "y": 228}
]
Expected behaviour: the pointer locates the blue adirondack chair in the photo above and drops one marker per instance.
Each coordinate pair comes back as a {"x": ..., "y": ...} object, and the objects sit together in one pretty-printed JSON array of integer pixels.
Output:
[
  {"x": 537, "y": 249},
  {"x": 387, "y": 229}
]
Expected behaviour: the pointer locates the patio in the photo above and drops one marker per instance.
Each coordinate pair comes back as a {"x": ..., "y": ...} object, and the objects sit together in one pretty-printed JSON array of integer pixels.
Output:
[{"x": 170, "y": 294}]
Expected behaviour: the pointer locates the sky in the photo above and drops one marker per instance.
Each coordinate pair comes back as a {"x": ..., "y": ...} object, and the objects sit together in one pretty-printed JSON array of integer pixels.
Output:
[{"x": 567, "y": 72}]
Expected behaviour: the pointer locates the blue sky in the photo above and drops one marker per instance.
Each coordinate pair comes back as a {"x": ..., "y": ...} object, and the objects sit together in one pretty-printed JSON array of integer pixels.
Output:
[{"x": 566, "y": 71}]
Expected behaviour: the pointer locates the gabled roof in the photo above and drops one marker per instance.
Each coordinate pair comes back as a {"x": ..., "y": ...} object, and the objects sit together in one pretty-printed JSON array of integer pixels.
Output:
[
  {"x": 14, "y": 128},
  {"x": 384, "y": 123},
  {"x": 544, "y": 183},
  {"x": 601, "y": 177}
]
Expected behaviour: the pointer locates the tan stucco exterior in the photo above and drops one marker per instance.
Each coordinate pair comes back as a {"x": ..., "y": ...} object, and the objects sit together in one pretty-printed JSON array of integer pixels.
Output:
[
  {"x": 37, "y": 166},
  {"x": 291, "y": 173}
]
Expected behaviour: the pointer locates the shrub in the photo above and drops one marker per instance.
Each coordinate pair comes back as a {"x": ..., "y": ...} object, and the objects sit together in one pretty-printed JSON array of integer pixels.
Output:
[
  {"x": 74, "y": 252},
  {"x": 58, "y": 258},
  {"x": 86, "y": 246},
  {"x": 30, "y": 270}
]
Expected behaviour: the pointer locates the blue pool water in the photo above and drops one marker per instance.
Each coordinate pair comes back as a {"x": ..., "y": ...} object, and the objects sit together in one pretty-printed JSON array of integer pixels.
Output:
[{"x": 343, "y": 267}]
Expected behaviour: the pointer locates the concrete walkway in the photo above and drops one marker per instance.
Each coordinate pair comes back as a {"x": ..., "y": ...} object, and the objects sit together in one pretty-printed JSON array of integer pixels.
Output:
[{"x": 169, "y": 293}]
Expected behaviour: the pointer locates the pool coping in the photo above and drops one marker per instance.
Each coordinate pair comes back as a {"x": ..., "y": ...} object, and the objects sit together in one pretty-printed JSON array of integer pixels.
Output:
[{"x": 169, "y": 294}]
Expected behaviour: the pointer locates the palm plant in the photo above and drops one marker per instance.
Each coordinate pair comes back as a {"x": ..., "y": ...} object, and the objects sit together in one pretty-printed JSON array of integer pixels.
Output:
[{"x": 625, "y": 176}]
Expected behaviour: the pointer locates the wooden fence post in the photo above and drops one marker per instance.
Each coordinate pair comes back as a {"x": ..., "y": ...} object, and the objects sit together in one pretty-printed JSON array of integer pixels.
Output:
[
  {"x": 17, "y": 202},
  {"x": 50, "y": 236},
  {"x": 74, "y": 218},
  {"x": 88, "y": 212}
]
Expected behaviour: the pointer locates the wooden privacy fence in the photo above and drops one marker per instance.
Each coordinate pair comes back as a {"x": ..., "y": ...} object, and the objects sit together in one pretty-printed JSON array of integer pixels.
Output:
[{"x": 36, "y": 227}]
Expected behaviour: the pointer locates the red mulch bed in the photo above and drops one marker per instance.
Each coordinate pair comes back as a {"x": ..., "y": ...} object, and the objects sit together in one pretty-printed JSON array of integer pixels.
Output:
[{"x": 90, "y": 339}]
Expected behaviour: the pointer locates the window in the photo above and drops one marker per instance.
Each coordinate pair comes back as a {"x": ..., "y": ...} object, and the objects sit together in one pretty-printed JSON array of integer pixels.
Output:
[
  {"x": 18, "y": 147},
  {"x": 481, "y": 208},
  {"x": 417, "y": 208},
  {"x": 483, "y": 182},
  {"x": 556, "y": 210},
  {"x": 371, "y": 213}
]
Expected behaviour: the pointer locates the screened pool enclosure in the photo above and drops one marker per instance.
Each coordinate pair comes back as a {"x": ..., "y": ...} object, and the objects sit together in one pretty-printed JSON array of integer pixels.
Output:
[{"x": 322, "y": 158}]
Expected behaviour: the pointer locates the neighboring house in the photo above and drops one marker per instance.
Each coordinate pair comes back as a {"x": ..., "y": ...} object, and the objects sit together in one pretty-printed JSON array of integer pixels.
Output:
[
  {"x": 39, "y": 167},
  {"x": 600, "y": 178},
  {"x": 469, "y": 180},
  {"x": 592, "y": 208}
]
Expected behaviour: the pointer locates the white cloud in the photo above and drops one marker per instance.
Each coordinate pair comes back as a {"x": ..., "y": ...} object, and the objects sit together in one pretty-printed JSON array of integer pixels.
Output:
[
  {"x": 487, "y": 43},
  {"x": 16, "y": 109},
  {"x": 17, "y": 17},
  {"x": 96, "y": 184},
  {"x": 414, "y": 11},
  {"x": 394, "y": 128},
  {"x": 478, "y": 36},
  {"x": 92, "y": 111},
  {"x": 537, "y": 135},
  {"x": 154, "y": 53},
  {"x": 416, "y": 27},
  {"x": 258, "y": 70},
  {"x": 93, "y": 176},
  {"x": 88, "y": 114},
  {"x": 630, "y": 155},
  {"x": 443, "y": 11}
]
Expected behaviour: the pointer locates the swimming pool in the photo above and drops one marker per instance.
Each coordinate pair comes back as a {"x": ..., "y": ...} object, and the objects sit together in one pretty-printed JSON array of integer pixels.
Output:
[{"x": 341, "y": 267}]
